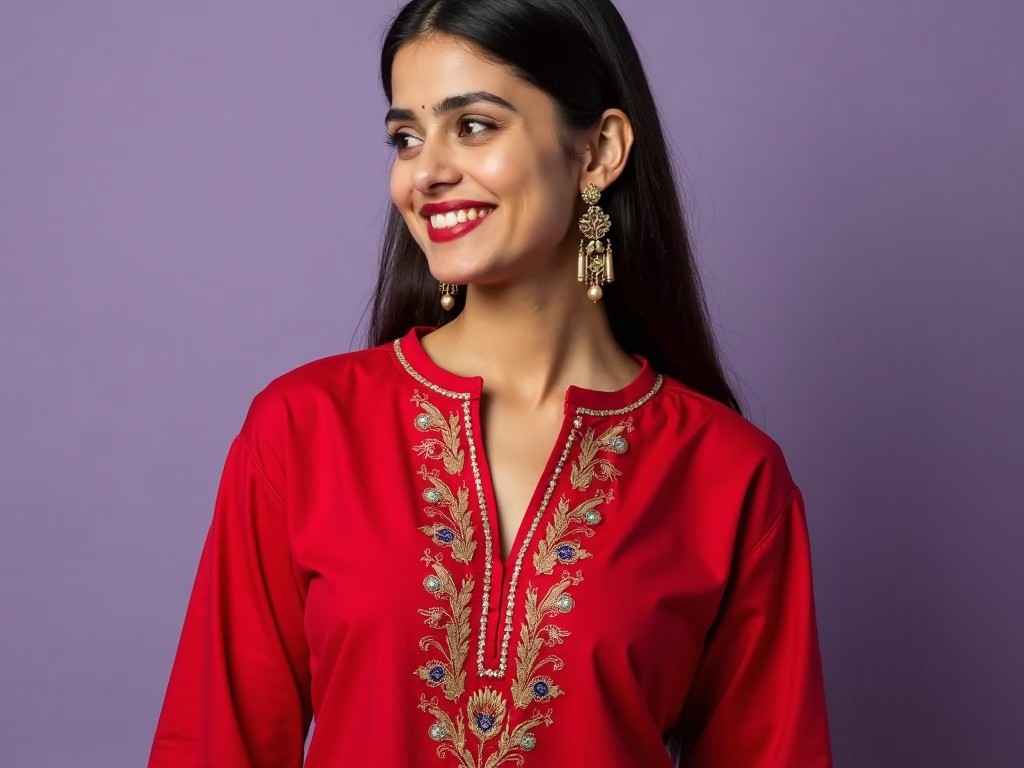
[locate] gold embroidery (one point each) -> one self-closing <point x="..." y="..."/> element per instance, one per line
<point x="590" y="465"/>
<point x="659" y="381"/>
<point x="447" y="672"/>
<point x="449" y="447"/>
<point x="456" y="529"/>
<point x="485" y="711"/>
<point x="452" y="735"/>
<point x="535" y="636"/>
<point x="513" y="591"/>
<point x="557" y="547"/>
<point x="404" y="362"/>
<point x="486" y="732"/>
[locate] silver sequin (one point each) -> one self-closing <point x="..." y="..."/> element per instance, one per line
<point x="565" y="603"/>
<point x="432" y="584"/>
<point x="438" y="732"/>
<point x="593" y="517"/>
<point x="432" y="495"/>
<point x="528" y="742"/>
<point x="424" y="421"/>
<point x="619" y="444"/>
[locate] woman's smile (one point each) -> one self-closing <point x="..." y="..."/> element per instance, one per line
<point x="473" y="141"/>
<point x="450" y="220"/>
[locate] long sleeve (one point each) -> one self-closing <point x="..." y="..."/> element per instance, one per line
<point x="238" y="695"/>
<point x="757" y="700"/>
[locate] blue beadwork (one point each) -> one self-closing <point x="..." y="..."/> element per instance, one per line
<point x="565" y="552"/>
<point x="485" y="722"/>
<point x="436" y="674"/>
<point x="540" y="689"/>
<point x="446" y="535"/>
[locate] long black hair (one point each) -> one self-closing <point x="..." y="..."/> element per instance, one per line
<point x="581" y="54"/>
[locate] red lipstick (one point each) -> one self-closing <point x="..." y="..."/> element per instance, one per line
<point x="480" y="212"/>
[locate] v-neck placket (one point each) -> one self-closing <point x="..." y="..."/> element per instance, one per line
<point x="500" y="589"/>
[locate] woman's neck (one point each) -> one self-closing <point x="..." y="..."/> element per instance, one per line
<point x="530" y="343"/>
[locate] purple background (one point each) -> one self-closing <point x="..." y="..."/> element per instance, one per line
<point x="191" y="195"/>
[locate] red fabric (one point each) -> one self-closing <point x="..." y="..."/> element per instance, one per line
<point x="686" y="609"/>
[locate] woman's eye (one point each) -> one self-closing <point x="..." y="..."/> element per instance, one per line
<point x="470" y="127"/>
<point x="401" y="140"/>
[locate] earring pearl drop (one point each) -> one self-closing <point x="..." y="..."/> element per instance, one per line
<point x="448" y="291"/>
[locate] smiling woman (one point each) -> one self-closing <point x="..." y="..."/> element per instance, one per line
<point x="529" y="524"/>
<point x="497" y="140"/>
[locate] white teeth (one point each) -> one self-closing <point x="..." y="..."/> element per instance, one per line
<point x="450" y="219"/>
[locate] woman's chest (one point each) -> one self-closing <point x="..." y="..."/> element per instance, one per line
<point x="396" y="533"/>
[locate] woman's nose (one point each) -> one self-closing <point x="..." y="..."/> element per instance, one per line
<point x="434" y="167"/>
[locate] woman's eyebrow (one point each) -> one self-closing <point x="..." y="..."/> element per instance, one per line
<point x="450" y="104"/>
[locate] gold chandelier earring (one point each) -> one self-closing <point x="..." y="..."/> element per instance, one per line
<point x="595" y="258"/>
<point x="448" y="291"/>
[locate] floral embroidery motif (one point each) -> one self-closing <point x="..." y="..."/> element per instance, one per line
<point x="485" y="713"/>
<point x="455" y="529"/>
<point x="487" y="720"/>
<point x="448" y="447"/>
<point x="488" y="727"/>
<point x="535" y="636"/>
<point x="590" y="464"/>
<point x="447" y="672"/>
<point x="558" y="547"/>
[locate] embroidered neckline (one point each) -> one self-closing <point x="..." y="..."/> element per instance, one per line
<point x="466" y="398"/>
<point x="490" y="713"/>
<point x="413" y="358"/>
<point x="423" y="380"/>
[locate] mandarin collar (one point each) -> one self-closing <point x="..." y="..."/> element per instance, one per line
<point x="411" y="347"/>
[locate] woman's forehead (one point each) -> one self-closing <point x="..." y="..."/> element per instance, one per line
<point x="436" y="67"/>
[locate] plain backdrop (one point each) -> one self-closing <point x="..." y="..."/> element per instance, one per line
<point x="191" y="197"/>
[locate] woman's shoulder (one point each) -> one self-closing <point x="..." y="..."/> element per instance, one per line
<point x="717" y="426"/>
<point x="299" y="396"/>
<point x="741" y="464"/>
<point x="330" y="375"/>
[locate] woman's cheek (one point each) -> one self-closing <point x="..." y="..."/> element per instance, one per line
<point x="400" y="189"/>
<point x="500" y="174"/>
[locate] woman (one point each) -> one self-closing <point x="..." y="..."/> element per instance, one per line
<point x="528" y="525"/>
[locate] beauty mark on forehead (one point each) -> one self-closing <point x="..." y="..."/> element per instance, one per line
<point x="451" y="104"/>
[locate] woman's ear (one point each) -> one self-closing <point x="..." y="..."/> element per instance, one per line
<point x="607" y="149"/>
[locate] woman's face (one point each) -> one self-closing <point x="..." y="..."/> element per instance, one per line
<point x="480" y="175"/>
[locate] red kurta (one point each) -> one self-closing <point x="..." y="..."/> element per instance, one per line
<point x="659" y="585"/>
